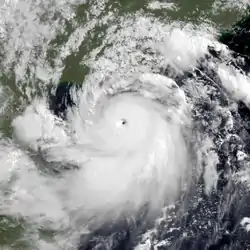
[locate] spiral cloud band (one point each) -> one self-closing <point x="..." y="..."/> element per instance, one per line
<point x="126" y="137"/>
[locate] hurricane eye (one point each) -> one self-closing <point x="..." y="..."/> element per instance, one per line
<point x="124" y="122"/>
<point x="121" y="123"/>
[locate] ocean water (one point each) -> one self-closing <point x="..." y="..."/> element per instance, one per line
<point x="154" y="153"/>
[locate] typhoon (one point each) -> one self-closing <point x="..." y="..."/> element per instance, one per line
<point x="127" y="142"/>
<point x="151" y="160"/>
